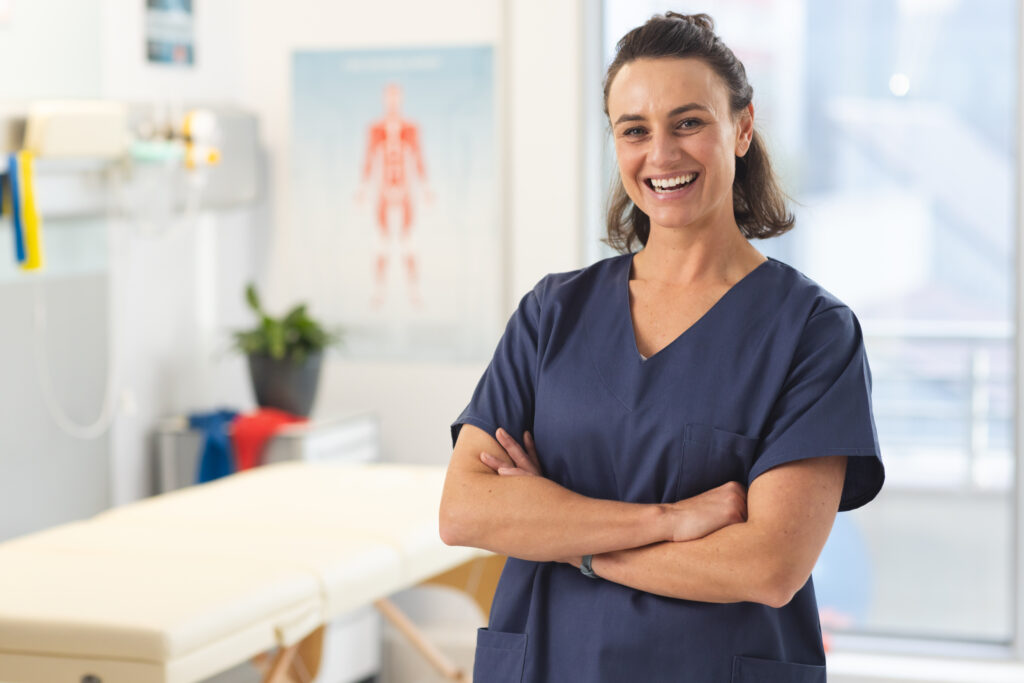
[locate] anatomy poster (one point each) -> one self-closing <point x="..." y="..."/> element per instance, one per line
<point x="395" y="188"/>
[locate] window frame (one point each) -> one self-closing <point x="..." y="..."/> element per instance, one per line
<point x="1018" y="358"/>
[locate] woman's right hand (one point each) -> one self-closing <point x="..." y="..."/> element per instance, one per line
<point x="696" y="517"/>
<point x="520" y="462"/>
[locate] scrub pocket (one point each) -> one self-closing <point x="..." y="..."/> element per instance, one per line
<point x="499" y="657"/>
<point x="713" y="456"/>
<point x="752" y="670"/>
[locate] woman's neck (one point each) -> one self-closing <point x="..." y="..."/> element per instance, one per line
<point x="684" y="256"/>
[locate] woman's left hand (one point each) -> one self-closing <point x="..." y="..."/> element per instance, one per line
<point x="526" y="462"/>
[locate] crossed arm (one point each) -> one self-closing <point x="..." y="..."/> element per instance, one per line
<point x="724" y="545"/>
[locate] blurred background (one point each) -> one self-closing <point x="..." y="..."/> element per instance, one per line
<point x="893" y="125"/>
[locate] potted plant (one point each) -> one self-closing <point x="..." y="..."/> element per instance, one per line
<point x="285" y="355"/>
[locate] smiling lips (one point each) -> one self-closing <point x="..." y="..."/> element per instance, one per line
<point x="672" y="184"/>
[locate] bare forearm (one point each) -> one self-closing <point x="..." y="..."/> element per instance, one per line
<point x="765" y="559"/>
<point x="533" y="518"/>
<point x="736" y="563"/>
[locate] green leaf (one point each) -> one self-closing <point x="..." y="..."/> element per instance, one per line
<point x="296" y="315"/>
<point x="274" y="332"/>
<point x="294" y="336"/>
<point x="253" y="298"/>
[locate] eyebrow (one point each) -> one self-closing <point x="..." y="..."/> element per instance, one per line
<point x="675" y="112"/>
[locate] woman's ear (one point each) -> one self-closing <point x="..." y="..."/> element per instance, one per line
<point x="744" y="130"/>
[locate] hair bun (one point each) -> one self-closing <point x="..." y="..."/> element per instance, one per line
<point x="703" y="21"/>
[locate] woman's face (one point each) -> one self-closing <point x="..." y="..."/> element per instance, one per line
<point x="676" y="141"/>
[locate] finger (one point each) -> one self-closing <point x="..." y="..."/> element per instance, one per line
<point x="493" y="461"/>
<point x="531" y="448"/>
<point x="490" y="461"/>
<point x="527" y="463"/>
<point x="515" y="472"/>
<point x="514" y="450"/>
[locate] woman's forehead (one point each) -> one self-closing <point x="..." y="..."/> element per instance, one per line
<point x="648" y="85"/>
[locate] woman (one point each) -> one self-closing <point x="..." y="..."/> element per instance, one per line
<point x="662" y="440"/>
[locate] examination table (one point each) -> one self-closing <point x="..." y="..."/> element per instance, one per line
<point x="179" y="587"/>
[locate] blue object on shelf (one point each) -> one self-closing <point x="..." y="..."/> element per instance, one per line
<point x="216" y="458"/>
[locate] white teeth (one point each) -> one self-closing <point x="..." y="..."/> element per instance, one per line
<point x="662" y="183"/>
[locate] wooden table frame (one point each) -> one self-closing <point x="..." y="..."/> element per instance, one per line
<point x="477" y="578"/>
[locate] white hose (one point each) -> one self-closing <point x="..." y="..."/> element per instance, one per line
<point x="115" y="209"/>
<point x="102" y="423"/>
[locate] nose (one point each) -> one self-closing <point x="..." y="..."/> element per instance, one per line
<point x="665" y="148"/>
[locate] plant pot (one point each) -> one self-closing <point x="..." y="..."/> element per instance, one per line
<point x="285" y="384"/>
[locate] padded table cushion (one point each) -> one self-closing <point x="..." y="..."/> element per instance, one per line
<point x="192" y="582"/>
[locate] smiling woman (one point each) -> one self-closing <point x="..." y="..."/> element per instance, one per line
<point x="719" y="119"/>
<point x="662" y="440"/>
<point x="677" y="163"/>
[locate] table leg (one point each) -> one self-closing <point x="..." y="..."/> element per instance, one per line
<point x="436" y="658"/>
<point x="281" y="664"/>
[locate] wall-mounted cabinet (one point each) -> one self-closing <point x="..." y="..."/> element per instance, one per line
<point x="147" y="182"/>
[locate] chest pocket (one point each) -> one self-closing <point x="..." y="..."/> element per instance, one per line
<point x="711" y="457"/>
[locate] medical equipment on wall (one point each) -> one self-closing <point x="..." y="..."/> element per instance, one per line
<point x="149" y="169"/>
<point x="58" y="129"/>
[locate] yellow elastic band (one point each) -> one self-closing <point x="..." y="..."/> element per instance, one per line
<point x="30" y="214"/>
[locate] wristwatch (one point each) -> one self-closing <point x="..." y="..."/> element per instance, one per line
<point x="585" y="567"/>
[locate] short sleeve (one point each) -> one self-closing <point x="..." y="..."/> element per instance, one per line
<point x="825" y="407"/>
<point x="504" y="397"/>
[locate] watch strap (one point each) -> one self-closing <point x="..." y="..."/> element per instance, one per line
<point x="586" y="567"/>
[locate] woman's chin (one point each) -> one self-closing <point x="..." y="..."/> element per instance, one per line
<point x="673" y="221"/>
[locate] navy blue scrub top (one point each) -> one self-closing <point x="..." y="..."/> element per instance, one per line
<point x="774" y="372"/>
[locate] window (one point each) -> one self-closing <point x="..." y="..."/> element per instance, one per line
<point x="893" y="125"/>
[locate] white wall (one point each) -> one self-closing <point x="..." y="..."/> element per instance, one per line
<point x="537" y="45"/>
<point x="126" y="74"/>
<point x="538" y="48"/>
<point x="47" y="477"/>
<point x="178" y="294"/>
<point x="173" y="295"/>
<point x="51" y="49"/>
<point x="248" y="56"/>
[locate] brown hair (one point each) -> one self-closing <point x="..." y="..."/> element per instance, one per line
<point x="758" y="203"/>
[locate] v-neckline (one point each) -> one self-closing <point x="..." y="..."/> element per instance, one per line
<point x="676" y="340"/>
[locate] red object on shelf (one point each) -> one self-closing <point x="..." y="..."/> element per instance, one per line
<point x="250" y="433"/>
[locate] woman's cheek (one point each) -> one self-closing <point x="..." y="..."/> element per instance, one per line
<point x="628" y="168"/>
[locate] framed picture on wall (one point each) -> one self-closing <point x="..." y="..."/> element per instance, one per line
<point x="170" y="32"/>
<point x="395" y="189"/>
